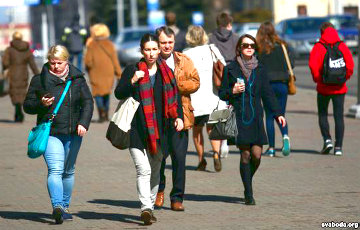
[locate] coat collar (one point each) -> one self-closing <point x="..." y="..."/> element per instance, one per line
<point x="48" y="77"/>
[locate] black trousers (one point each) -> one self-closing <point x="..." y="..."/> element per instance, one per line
<point x="178" y="144"/>
<point x="338" y="106"/>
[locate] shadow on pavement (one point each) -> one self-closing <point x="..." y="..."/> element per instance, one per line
<point x="6" y="121"/>
<point x="32" y="216"/>
<point x="215" y="198"/>
<point x="121" y="203"/>
<point x="109" y="216"/>
<point x="306" y="151"/>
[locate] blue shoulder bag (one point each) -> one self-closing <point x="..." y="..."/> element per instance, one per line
<point x="39" y="135"/>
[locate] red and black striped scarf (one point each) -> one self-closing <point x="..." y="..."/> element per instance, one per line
<point x="170" y="94"/>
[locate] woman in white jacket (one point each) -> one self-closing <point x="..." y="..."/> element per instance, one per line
<point x="205" y="99"/>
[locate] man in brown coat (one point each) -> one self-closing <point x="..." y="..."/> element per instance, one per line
<point x="188" y="82"/>
<point x="16" y="59"/>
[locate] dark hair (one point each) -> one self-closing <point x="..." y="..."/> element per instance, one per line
<point x="239" y="43"/>
<point x="170" y="18"/>
<point x="267" y="37"/>
<point x="326" y="25"/>
<point x="148" y="38"/>
<point x="223" y="19"/>
<point x="167" y="31"/>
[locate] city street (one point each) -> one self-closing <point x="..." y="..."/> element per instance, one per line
<point x="296" y="192"/>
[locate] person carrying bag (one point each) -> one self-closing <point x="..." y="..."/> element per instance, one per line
<point x="39" y="135"/>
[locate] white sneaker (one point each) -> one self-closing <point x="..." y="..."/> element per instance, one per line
<point x="338" y="152"/>
<point x="224" y="149"/>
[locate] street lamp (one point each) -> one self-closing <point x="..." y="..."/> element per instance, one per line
<point x="354" y="110"/>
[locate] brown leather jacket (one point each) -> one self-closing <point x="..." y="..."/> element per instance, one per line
<point x="188" y="82"/>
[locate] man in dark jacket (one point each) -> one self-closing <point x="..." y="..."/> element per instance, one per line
<point x="74" y="39"/>
<point x="223" y="37"/>
<point x="180" y="42"/>
<point x="327" y="92"/>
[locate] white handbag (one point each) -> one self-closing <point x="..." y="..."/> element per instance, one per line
<point x="118" y="131"/>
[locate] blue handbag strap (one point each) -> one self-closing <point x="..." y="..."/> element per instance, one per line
<point x="61" y="99"/>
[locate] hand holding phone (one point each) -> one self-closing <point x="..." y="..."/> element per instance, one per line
<point x="47" y="99"/>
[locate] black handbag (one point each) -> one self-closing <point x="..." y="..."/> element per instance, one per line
<point x="224" y="124"/>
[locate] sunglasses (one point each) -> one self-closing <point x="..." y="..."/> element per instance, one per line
<point x="248" y="45"/>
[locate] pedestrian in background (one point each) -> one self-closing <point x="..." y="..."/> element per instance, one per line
<point x="16" y="59"/>
<point x="180" y="42"/>
<point x="151" y="83"/>
<point x="188" y="82"/>
<point x="74" y="37"/>
<point x="224" y="38"/>
<point x="246" y="86"/>
<point x="102" y="63"/>
<point x="70" y="125"/>
<point x="334" y="92"/>
<point x="271" y="55"/>
<point x="204" y="100"/>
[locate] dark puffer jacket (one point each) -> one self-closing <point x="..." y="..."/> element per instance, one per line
<point x="77" y="108"/>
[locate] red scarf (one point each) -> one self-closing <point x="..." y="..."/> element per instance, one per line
<point x="170" y="95"/>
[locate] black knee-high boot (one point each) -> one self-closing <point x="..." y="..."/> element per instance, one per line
<point x="246" y="177"/>
<point x="19" y="116"/>
<point x="254" y="164"/>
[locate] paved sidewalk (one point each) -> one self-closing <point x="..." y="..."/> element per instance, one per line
<point x="296" y="192"/>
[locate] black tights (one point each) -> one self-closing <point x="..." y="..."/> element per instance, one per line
<point x="249" y="163"/>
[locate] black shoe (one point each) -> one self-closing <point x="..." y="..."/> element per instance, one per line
<point x="58" y="214"/>
<point x="146" y="216"/>
<point x="249" y="200"/>
<point x="202" y="165"/>
<point x="67" y="215"/>
<point x="217" y="162"/>
<point x="327" y="147"/>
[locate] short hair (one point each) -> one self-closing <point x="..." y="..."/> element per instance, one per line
<point x="100" y="30"/>
<point x="196" y="36"/>
<point x="148" y="38"/>
<point x="223" y="19"/>
<point x="170" y="18"/>
<point x="325" y="25"/>
<point x="239" y="43"/>
<point x="58" y="52"/>
<point x="167" y="31"/>
<point x="17" y="35"/>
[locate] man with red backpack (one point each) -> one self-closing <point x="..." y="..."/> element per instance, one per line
<point x="331" y="65"/>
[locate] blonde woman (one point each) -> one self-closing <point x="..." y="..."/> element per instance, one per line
<point x="102" y="63"/>
<point x="205" y="99"/>
<point x="71" y="123"/>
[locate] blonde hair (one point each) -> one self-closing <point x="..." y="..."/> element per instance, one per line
<point x="58" y="52"/>
<point x="100" y="30"/>
<point x="196" y="36"/>
<point x="17" y="35"/>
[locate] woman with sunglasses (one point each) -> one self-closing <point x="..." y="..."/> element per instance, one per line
<point x="246" y="86"/>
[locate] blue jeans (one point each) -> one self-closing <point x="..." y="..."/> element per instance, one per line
<point x="103" y="102"/>
<point x="79" y="56"/>
<point x="60" y="157"/>
<point x="281" y="92"/>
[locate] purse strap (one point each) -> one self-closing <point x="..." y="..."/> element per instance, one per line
<point x="213" y="54"/>
<point x="106" y="52"/>
<point x="61" y="100"/>
<point x="287" y="59"/>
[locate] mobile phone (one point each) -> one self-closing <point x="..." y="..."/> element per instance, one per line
<point x="240" y="80"/>
<point x="48" y="95"/>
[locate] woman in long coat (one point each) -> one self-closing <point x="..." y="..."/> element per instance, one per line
<point x="16" y="59"/>
<point x="102" y="64"/>
<point x="246" y="86"/>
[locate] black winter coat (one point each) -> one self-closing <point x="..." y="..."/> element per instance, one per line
<point x="261" y="91"/>
<point x="78" y="105"/>
<point x="275" y="63"/>
<point x="138" y="132"/>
